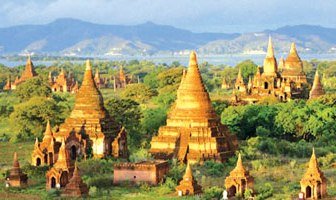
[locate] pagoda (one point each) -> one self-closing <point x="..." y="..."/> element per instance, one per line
<point x="89" y="126"/>
<point x="76" y="187"/>
<point x="28" y="73"/>
<point x="58" y="176"/>
<point x="100" y="82"/>
<point x="62" y="83"/>
<point x="317" y="89"/>
<point x="239" y="84"/>
<point x="16" y="178"/>
<point x="314" y="184"/>
<point x="193" y="131"/>
<point x="45" y="152"/>
<point x="188" y="185"/>
<point x="225" y="85"/>
<point x="239" y="180"/>
<point x="8" y="85"/>
<point x="122" y="80"/>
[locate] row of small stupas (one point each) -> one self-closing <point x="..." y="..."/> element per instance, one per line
<point x="66" y="82"/>
<point x="313" y="183"/>
<point x="284" y="81"/>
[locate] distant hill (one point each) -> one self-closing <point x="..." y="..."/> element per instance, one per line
<point x="76" y="37"/>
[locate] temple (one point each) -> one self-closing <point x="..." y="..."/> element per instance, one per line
<point x="28" y="73"/>
<point x="89" y="126"/>
<point x="317" y="89"/>
<point x="122" y="80"/>
<point x="46" y="151"/>
<point x="63" y="83"/>
<point x="239" y="180"/>
<point x="100" y="82"/>
<point x="193" y="131"/>
<point x="314" y="184"/>
<point x="150" y="172"/>
<point x="76" y="187"/>
<point x="58" y="176"/>
<point x="284" y="84"/>
<point x="225" y="85"/>
<point x="16" y="178"/>
<point x="188" y="185"/>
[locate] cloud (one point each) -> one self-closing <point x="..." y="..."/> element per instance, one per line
<point x="197" y="15"/>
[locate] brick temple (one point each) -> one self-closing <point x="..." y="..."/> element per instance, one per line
<point x="193" y="131"/>
<point x="63" y="82"/>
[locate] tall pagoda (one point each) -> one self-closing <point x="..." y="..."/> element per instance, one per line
<point x="89" y="126"/>
<point x="193" y="131"/>
<point x="28" y="73"/>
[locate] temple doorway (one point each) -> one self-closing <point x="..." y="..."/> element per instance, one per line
<point x="38" y="161"/>
<point x="46" y="158"/>
<point x="53" y="182"/>
<point x="265" y="85"/>
<point x="64" y="179"/>
<point x="73" y="152"/>
<point x="51" y="159"/>
<point x="308" y="192"/>
<point x="232" y="191"/>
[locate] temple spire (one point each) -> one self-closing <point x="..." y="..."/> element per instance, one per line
<point x="270" y="49"/>
<point x="88" y="65"/>
<point x="317" y="88"/>
<point x="48" y="131"/>
<point x="239" y="165"/>
<point x="188" y="173"/>
<point x="313" y="164"/>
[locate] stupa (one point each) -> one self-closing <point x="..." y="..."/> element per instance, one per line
<point x="317" y="89"/>
<point x="76" y="187"/>
<point x="193" y="131"/>
<point x="16" y="178"/>
<point x="314" y="184"/>
<point x="89" y="128"/>
<point x="188" y="185"/>
<point x="239" y="180"/>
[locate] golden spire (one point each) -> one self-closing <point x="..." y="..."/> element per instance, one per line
<point x="317" y="88"/>
<point x="313" y="164"/>
<point x="293" y="49"/>
<point x="188" y="176"/>
<point x="270" y="49"/>
<point x="36" y="143"/>
<point x="48" y="131"/>
<point x="63" y="158"/>
<point x="88" y="65"/>
<point x="239" y="165"/>
<point x="16" y="163"/>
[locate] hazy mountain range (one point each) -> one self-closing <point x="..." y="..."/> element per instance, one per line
<point x="76" y="37"/>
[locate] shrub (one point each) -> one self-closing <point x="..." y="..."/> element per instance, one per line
<point x="213" y="193"/>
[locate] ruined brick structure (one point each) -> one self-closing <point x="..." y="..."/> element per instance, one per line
<point x="151" y="172"/>
<point x="63" y="82"/>
<point x="16" y="177"/>
<point x="76" y="187"/>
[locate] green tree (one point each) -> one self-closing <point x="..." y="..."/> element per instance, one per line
<point x="138" y="92"/>
<point x="248" y="68"/>
<point x="36" y="86"/>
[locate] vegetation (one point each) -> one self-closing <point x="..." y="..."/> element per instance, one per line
<point x="275" y="138"/>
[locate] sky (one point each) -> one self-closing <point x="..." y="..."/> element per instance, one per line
<point x="227" y="16"/>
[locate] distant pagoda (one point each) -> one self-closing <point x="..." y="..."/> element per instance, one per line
<point x="28" y="73"/>
<point x="76" y="187"/>
<point x="193" y="131"/>
<point x="317" y="89"/>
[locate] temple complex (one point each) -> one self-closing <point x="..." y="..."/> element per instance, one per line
<point x="314" y="184"/>
<point x="76" y="187"/>
<point x="89" y="126"/>
<point x="317" y="89"/>
<point x="63" y="83"/>
<point x="16" y="177"/>
<point x="239" y="180"/>
<point x="100" y="82"/>
<point x="188" y="185"/>
<point x="193" y="131"/>
<point x="58" y="176"/>
<point x="225" y="85"/>
<point x="28" y="73"/>
<point x="122" y="80"/>
<point x="151" y="172"/>
<point x="284" y="84"/>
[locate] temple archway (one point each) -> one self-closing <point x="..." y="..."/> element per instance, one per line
<point x="73" y="152"/>
<point x="64" y="179"/>
<point x="232" y="191"/>
<point x="52" y="182"/>
<point x="308" y="192"/>
<point x="38" y="161"/>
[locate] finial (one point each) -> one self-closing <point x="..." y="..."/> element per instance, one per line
<point x="193" y="58"/>
<point x="270" y="49"/>
<point x="88" y="65"/>
<point x="293" y="48"/>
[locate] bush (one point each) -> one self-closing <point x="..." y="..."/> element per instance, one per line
<point x="265" y="191"/>
<point x="213" y="193"/>
<point x="214" y="168"/>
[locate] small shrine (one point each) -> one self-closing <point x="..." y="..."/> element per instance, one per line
<point x="76" y="187"/>
<point x="16" y="177"/>
<point x="188" y="185"/>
